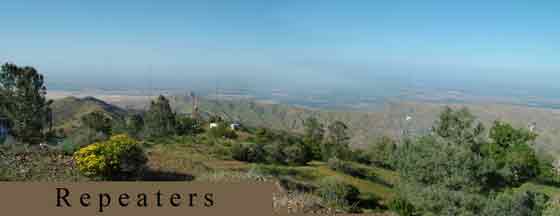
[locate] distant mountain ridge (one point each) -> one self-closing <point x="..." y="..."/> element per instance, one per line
<point x="390" y="119"/>
<point x="365" y="126"/>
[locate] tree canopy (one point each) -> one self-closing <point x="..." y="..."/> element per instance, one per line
<point x="455" y="170"/>
<point x="160" y="118"/>
<point x="98" y="121"/>
<point x="23" y="93"/>
<point x="337" y="141"/>
<point x="314" y="134"/>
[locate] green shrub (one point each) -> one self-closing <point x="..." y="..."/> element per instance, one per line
<point x="517" y="204"/>
<point x="512" y="149"/>
<point x="547" y="172"/>
<point x="351" y="169"/>
<point x="159" y="120"/>
<point x="381" y="152"/>
<point x="222" y="152"/>
<point x="222" y="131"/>
<point x="296" y="154"/>
<point x="241" y="152"/>
<point x="286" y="153"/>
<point x="222" y="176"/>
<point x="401" y="207"/>
<point x="274" y="170"/>
<point x="552" y="211"/>
<point x="521" y="164"/>
<point x="80" y="138"/>
<point x="292" y="184"/>
<point x="361" y="156"/>
<point x="98" y="121"/>
<point x="439" y="200"/>
<point x="68" y="147"/>
<point x="248" y="152"/>
<point x="337" y="193"/>
<point x="120" y="156"/>
<point x="187" y="126"/>
<point x="271" y="153"/>
<point x="134" y="125"/>
<point x="552" y="207"/>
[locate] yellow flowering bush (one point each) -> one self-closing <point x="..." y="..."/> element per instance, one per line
<point x="117" y="157"/>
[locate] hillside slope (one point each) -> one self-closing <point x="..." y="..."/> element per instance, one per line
<point x="68" y="111"/>
<point x="365" y="126"/>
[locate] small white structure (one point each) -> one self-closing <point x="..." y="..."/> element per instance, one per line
<point x="234" y="126"/>
<point x="44" y="146"/>
<point x="532" y="127"/>
<point x="213" y="125"/>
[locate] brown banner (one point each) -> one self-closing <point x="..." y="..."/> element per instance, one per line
<point x="135" y="198"/>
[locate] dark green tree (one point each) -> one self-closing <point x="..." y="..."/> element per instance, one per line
<point x="443" y="173"/>
<point x="512" y="150"/>
<point x="98" y="121"/>
<point x="313" y="136"/>
<point x="262" y="135"/>
<point x="505" y="136"/>
<point x="187" y="125"/>
<point x="338" y="133"/>
<point x="24" y="103"/>
<point x="222" y="131"/>
<point x="459" y="127"/>
<point x="456" y="171"/>
<point x="431" y="162"/>
<point x="337" y="143"/>
<point x="381" y="152"/>
<point x="135" y="125"/>
<point x="215" y="119"/>
<point x="524" y="203"/>
<point x="160" y="119"/>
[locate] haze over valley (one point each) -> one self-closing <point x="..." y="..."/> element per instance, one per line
<point x="385" y="107"/>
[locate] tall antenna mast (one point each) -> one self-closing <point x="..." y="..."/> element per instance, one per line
<point x="408" y="115"/>
<point x="149" y="93"/>
<point x="216" y="99"/>
<point x="194" y="99"/>
<point x="150" y="81"/>
<point x="216" y="92"/>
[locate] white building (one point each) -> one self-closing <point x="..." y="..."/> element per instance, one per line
<point x="234" y="126"/>
<point x="213" y="125"/>
<point x="532" y="127"/>
<point x="408" y="118"/>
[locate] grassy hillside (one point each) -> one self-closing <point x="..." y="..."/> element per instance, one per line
<point x="68" y="111"/>
<point x="365" y="126"/>
<point x="203" y="160"/>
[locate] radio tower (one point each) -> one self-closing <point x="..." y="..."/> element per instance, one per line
<point x="194" y="99"/>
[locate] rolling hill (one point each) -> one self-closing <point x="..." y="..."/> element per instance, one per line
<point x="68" y="111"/>
<point x="366" y="126"/>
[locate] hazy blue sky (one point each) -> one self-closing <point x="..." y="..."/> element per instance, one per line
<point x="337" y="41"/>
